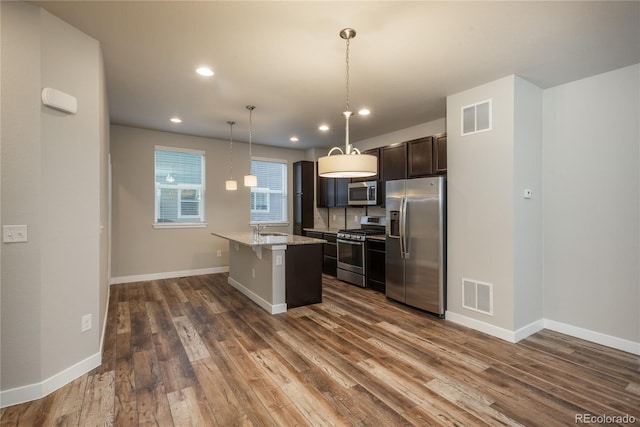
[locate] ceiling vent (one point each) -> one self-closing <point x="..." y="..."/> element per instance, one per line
<point x="477" y="296"/>
<point x="476" y="118"/>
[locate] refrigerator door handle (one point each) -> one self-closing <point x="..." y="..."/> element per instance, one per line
<point x="403" y="228"/>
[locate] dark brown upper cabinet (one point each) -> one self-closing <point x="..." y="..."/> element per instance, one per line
<point x="332" y="192"/>
<point x="393" y="161"/>
<point x="440" y="153"/>
<point x="420" y="158"/>
<point x="372" y="152"/>
<point x="303" y="196"/>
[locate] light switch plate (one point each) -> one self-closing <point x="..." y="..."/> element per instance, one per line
<point x="14" y="233"/>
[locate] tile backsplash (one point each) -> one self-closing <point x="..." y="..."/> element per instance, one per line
<point x="338" y="218"/>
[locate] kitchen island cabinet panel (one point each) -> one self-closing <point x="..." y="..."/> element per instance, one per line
<point x="303" y="275"/>
<point x="275" y="269"/>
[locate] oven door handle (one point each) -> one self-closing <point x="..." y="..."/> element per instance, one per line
<point x="350" y="242"/>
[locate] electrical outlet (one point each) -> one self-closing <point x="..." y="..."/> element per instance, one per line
<point x="86" y="323"/>
<point x="219" y="253"/>
<point x="334" y="217"/>
<point x="278" y="259"/>
<point x="355" y="218"/>
<point x="14" y="233"/>
<point x="253" y="273"/>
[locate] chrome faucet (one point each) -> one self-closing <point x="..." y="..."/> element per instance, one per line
<point x="257" y="228"/>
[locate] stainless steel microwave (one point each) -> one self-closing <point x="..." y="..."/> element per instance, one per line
<point x="363" y="193"/>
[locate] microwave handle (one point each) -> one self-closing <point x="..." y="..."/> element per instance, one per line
<point x="372" y="193"/>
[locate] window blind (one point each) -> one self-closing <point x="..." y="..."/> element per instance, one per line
<point x="179" y="181"/>
<point x="269" y="199"/>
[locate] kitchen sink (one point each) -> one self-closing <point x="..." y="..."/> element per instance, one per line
<point x="273" y="234"/>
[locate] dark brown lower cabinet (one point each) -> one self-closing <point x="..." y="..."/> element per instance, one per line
<point x="303" y="275"/>
<point x="329" y="251"/>
<point x="330" y="255"/>
<point x="376" y="265"/>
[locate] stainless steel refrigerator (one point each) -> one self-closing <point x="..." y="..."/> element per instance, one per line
<point x="415" y="244"/>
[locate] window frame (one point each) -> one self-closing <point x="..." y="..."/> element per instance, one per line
<point x="266" y="190"/>
<point x="199" y="188"/>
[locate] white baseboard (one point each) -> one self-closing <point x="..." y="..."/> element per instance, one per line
<point x="529" y="329"/>
<point x="104" y="321"/>
<point x="596" y="337"/>
<point x="481" y="326"/>
<point x="168" y="275"/>
<point x="273" y="309"/>
<point x="39" y="390"/>
<point x="574" y="331"/>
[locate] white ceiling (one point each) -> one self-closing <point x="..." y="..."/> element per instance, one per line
<point x="287" y="58"/>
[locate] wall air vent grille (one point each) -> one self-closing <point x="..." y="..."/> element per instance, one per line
<point x="476" y="118"/>
<point x="477" y="296"/>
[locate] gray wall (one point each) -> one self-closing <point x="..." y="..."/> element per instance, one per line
<point x="480" y="192"/>
<point x="53" y="180"/>
<point x="138" y="248"/>
<point x="527" y="222"/>
<point x="568" y="258"/>
<point x="591" y="197"/>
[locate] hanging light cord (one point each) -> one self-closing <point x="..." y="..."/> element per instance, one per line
<point x="250" y="108"/>
<point x="231" y="148"/>
<point x="347" y="34"/>
<point x="347" y="80"/>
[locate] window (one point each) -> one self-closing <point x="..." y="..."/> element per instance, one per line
<point x="179" y="178"/>
<point x="269" y="198"/>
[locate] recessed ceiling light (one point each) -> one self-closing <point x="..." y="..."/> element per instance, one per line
<point x="204" y="71"/>
<point x="175" y="120"/>
<point x="323" y="128"/>
<point x="364" y="112"/>
<point x="294" y="139"/>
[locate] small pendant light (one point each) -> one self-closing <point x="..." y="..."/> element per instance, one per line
<point x="250" y="180"/>
<point x="231" y="184"/>
<point x="349" y="163"/>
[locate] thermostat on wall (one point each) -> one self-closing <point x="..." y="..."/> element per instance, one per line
<point x="59" y="100"/>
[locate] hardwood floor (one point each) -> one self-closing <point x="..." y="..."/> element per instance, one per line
<point x="194" y="351"/>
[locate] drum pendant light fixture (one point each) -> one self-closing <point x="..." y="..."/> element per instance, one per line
<point x="231" y="184"/>
<point x="349" y="163"/>
<point x="250" y="180"/>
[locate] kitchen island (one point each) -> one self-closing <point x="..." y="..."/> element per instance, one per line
<point x="277" y="271"/>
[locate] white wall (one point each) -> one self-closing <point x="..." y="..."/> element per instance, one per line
<point x="480" y="191"/>
<point x="21" y="163"/>
<point x="51" y="181"/>
<point x="568" y="258"/>
<point x="591" y="204"/>
<point x="414" y="132"/>
<point x="527" y="222"/>
<point x="141" y="251"/>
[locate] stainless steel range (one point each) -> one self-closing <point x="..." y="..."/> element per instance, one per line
<point x="352" y="249"/>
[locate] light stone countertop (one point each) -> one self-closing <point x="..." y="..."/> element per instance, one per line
<point x="248" y="238"/>
<point x="324" y="230"/>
